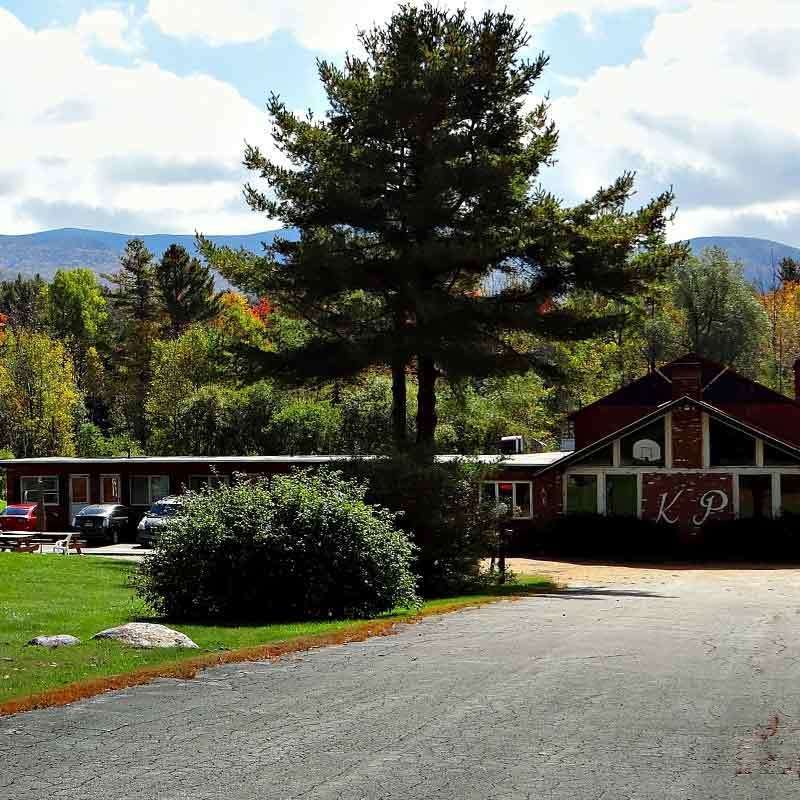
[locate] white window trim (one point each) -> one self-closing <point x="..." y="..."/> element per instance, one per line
<point x="43" y="477"/>
<point x="149" y="479"/>
<point x="706" y="441"/>
<point x="668" y="441"/>
<point x="514" y="484"/>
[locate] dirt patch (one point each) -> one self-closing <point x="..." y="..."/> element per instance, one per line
<point x="572" y="572"/>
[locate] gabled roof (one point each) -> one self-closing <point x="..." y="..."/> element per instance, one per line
<point x="711" y="373"/>
<point x="661" y="411"/>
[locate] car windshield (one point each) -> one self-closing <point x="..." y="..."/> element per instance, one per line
<point x="95" y="511"/>
<point x="15" y="511"/>
<point x="164" y="510"/>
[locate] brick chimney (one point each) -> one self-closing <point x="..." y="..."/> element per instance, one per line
<point x="797" y="379"/>
<point x="687" y="420"/>
<point x="686" y="376"/>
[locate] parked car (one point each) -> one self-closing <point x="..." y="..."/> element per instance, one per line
<point x="158" y="515"/>
<point x="107" y="521"/>
<point x="19" y="517"/>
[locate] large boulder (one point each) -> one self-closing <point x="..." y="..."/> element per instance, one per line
<point x="60" y="640"/>
<point x="146" y="634"/>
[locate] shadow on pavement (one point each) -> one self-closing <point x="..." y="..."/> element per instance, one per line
<point x="590" y="592"/>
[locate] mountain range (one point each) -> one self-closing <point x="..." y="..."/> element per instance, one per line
<point x="47" y="251"/>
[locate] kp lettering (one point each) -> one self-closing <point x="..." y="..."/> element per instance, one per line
<point x="712" y="502"/>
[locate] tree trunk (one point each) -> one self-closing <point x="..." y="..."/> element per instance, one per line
<point x="426" y="402"/>
<point x="399" y="424"/>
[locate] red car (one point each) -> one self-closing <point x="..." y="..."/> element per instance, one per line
<point x="19" y="517"/>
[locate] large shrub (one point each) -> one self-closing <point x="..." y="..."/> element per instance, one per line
<point x="439" y="507"/>
<point x="597" y="536"/>
<point x="301" y="546"/>
<point x="751" y="540"/>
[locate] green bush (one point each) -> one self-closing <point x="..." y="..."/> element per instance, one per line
<point x="301" y="546"/>
<point x="438" y="506"/>
<point x="752" y="540"/>
<point x="603" y="537"/>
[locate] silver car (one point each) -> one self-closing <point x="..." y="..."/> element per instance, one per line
<point x="158" y="516"/>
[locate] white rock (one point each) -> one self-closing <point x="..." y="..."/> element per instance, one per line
<point x="146" y="634"/>
<point x="61" y="640"/>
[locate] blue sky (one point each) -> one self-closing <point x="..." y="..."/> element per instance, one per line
<point x="131" y="116"/>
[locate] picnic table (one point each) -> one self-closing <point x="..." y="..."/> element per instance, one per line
<point x="18" y="542"/>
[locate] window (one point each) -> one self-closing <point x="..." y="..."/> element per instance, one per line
<point x="44" y="487"/>
<point x="515" y="494"/>
<point x="622" y="495"/>
<point x="581" y="494"/>
<point x="198" y="482"/>
<point x="790" y="494"/>
<point x="109" y="489"/>
<point x="147" y="489"/>
<point x="601" y="458"/>
<point x="729" y="447"/>
<point x="777" y="458"/>
<point x="755" y="496"/>
<point x="645" y="447"/>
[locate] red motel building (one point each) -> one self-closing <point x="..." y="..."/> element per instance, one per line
<point x="686" y="444"/>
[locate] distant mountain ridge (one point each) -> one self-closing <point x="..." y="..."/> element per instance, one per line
<point x="757" y="255"/>
<point x="47" y="251"/>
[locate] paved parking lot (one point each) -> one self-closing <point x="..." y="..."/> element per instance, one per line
<point x="686" y="686"/>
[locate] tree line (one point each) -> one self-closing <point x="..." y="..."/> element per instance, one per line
<point x="436" y="297"/>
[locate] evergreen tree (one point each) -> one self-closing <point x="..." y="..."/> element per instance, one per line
<point x="134" y="294"/>
<point x="186" y="288"/>
<point x="23" y="302"/>
<point x="417" y="187"/>
<point x="789" y="270"/>
<point x="137" y="314"/>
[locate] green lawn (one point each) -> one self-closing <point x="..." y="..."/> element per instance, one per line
<point x="50" y="594"/>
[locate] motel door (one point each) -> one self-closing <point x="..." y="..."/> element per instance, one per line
<point x="78" y="493"/>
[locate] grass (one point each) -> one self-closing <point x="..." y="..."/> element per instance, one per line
<point x="50" y="594"/>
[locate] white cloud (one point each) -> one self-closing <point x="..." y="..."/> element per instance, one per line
<point x="76" y="120"/>
<point x="109" y="28"/>
<point x="330" y="26"/>
<point x="709" y="108"/>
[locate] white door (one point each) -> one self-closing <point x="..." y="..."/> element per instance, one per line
<point x="78" y="493"/>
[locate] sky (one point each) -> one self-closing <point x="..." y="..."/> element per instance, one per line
<point x="132" y="116"/>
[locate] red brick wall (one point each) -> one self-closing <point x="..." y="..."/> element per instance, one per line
<point x="686" y="381"/>
<point x="681" y="496"/>
<point x="687" y="437"/>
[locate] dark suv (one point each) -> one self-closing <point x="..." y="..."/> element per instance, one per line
<point x="156" y="518"/>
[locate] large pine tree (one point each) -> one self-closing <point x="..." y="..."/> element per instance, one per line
<point x="418" y="186"/>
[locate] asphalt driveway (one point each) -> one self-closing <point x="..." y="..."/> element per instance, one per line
<point x="686" y="687"/>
